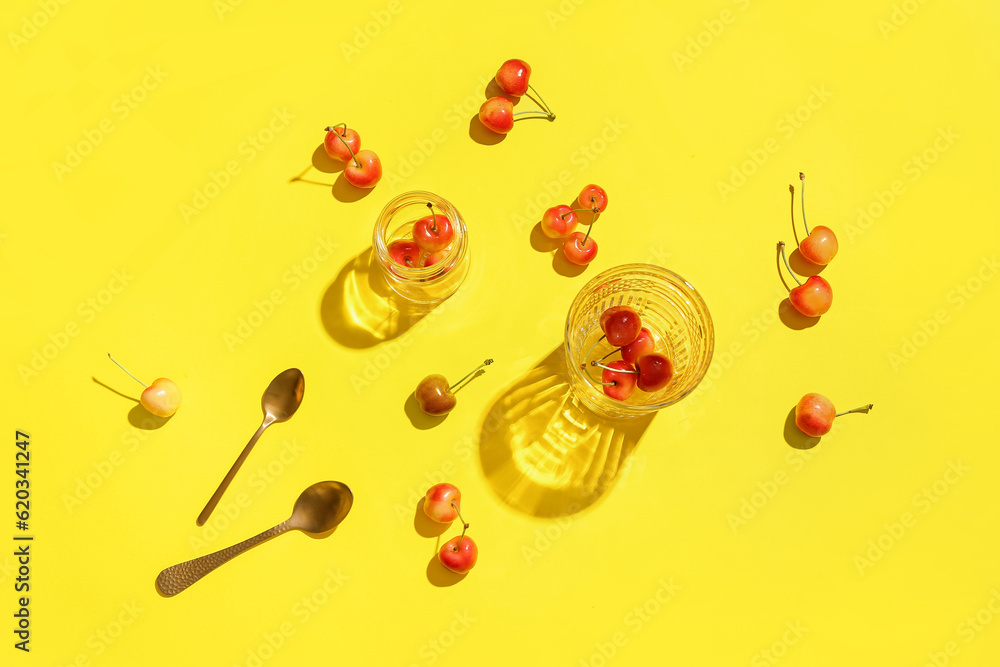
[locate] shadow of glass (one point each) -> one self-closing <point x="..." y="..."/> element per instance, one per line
<point x="796" y="438"/>
<point x="360" y="310"/>
<point x="793" y="319"/>
<point x="547" y="455"/>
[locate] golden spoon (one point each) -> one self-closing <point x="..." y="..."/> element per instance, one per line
<point x="280" y="401"/>
<point x="318" y="510"/>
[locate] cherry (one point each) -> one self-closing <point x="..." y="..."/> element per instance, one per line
<point x="580" y="249"/>
<point x="404" y="252"/>
<point x="442" y="502"/>
<point x="435" y="397"/>
<point x="593" y="198"/>
<point x="459" y="554"/>
<point x="617" y="384"/>
<point x="558" y="221"/>
<point x="621" y="325"/>
<point x="162" y="398"/>
<point x="811" y="298"/>
<point x="512" y="77"/>
<point x="341" y="142"/>
<point x="814" y="414"/>
<point x="820" y="245"/>
<point x="655" y="371"/>
<point x="433" y="232"/>
<point x="434" y="258"/>
<point x="642" y="344"/>
<point x="497" y="114"/>
<point x="365" y="171"/>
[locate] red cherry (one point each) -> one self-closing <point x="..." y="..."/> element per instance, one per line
<point x="621" y="325"/>
<point x="655" y="371"/>
<point x="365" y="170"/>
<point x="341" y="142"/>
<point x="641" y="345"/>
<point x="497" y="114"/>
<point x="404" y="252"/>
<point x="815" y="413"/>
<point x="459" y="554"/>
<point x="617" y="385"/>
<point x="820" y="245"/>
<point x="442" y="502"/>
<point x="593" y="196"/>
<point x="512" y="77"/>
<point x="579" y="249"/>
<point x="558" y="222"/>
<point x="433" y="232"/>
<point x="811" y="298"/>
<point x="434" y="258"/>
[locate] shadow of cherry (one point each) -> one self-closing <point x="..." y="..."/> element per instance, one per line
<point x="441" y="576"/>
<point x="796" y="438"/>
<point x="481" y="134"/>
<point x="426" y="526"/>
<point x="543" y="243"/>
<point x="793" y="319"/>
<point x="140" y="417"/>
<point x="347" y="193"/>
<point x="418" y="418"/>
<point x="803" y="266"/>
<point x="564" y="267"/>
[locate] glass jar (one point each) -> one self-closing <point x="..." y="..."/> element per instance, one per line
<point x="674" y="313"/>
<point x="419" y="284"/>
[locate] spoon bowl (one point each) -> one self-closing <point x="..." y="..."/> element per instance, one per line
<point x="318" y="510"/>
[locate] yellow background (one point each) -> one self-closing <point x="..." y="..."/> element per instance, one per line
<point x="717" y="541"/>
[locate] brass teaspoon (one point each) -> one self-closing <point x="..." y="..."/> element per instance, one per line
<point x="318" y="510"/>
<point x="280" y="401"/>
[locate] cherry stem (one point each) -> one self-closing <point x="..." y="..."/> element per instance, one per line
<point x="434" y="224"/>
<point x="584" y="366"/>
<point x="863" y="409"/>
<point x="594" y="363"/>
<point x="333" y="128"/>
<point x="127" y="371"/>
<point x="465" y="526"/>
<point x="616" y="370"/>
<point x="485" y="363"/>
<point x="541" y="102"/>
<point x="576" y="210"/>
<point x="781" y="244"/>
<point x="802" y="193"/>
<point x="532" y="112"/>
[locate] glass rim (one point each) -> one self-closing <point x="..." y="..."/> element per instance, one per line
<point x="427" y="274"/>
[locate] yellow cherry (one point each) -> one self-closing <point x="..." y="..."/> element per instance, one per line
<point x="162" y="398"/>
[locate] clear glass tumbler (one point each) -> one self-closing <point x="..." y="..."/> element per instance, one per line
<point x="670" y="308"/>
<point x="424" y="285"/>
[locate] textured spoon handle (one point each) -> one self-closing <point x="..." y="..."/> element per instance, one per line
<point x="175" y="579"/>
<point x="217" y="496"/>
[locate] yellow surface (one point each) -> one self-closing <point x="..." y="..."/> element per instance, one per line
<point x="189" y="252"/>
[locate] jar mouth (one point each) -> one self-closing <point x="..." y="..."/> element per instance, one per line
<point x="686" y="312"/>
<point x="414" y="205"/>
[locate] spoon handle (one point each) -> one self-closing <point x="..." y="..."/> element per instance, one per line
<point x="217" y="496"/>
<point x="175" y="579"/>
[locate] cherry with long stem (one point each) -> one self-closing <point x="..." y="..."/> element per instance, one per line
<point x="465" y="526"/>
<point x="802" y="193"/>
<point x="333" y="128"/>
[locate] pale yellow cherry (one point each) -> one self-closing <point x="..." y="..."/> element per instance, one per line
<point x="162" y="398"/>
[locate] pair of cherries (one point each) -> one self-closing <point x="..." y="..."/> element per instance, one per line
<point x="497" y="113"/>
<point x="815" y="296"/>
<point x="364" y="169"/>
<point x="431" y="237"/>
<point x="560" y="221"/>
<point x="442" y="503"/>
<point x="641" y="366"/>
